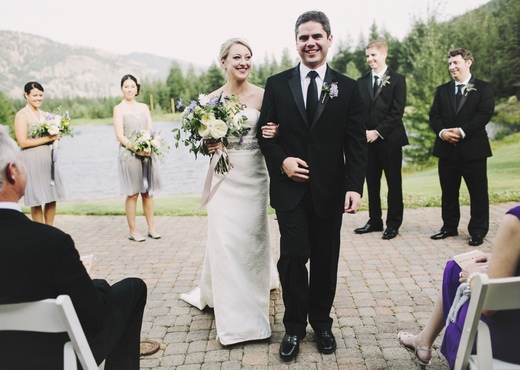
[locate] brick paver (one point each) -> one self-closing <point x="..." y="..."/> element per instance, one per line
<point x="383" y="287"/>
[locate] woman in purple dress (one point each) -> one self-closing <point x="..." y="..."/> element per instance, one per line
<point x="504" y="325"/>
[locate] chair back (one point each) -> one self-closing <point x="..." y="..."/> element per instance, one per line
<point x="51" y="316"/>
<point x="486" y="294"/>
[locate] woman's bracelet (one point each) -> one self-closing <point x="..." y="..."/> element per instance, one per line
<point x="470" y="278"/>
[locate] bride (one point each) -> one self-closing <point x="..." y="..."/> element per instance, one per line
<point x="238" y="270"/>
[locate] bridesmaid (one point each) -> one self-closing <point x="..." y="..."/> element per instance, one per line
<point x="44" y="186"/>
<point x="130" y="116"/>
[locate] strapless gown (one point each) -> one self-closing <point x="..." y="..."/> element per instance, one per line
<point x="238" y="270"/>
<point x="132" y="171"/>
<point x="38" y="162"/>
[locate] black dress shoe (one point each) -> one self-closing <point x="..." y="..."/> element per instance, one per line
<point x="443" y="234"/>
<point x="390" y="233"/>
<point x="476" y="240"/>
<point x="289" y="347"/>
<point x="326" y="342"/>
<point x="368" y="228"/>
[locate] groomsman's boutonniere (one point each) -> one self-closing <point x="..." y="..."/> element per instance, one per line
<point x="331" y="89"/>
<point x="469" y="88"/>
<point x="385" y="81"/>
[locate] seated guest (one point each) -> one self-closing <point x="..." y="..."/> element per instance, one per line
<point x="38" y="261"/>
<point x="456" y="287"/>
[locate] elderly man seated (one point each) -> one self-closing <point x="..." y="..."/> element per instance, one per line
<point x="38" y="262"/>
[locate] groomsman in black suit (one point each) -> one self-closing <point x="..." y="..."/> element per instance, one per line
<point x="317" y="167"/>
<point x="460" y="112"/>
<point x="384" y="98"/>
<point x="37" y="262"/>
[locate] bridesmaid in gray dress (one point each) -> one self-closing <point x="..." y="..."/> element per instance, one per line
<point x="44" y="185"/>
<point x="138" y="172"/>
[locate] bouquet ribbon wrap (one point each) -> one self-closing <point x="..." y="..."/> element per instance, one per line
<point x="146" y="165"/>
<point x="208" y="192"/>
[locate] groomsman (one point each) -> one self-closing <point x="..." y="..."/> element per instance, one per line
<point x="384" y="98"/>
<point x="460" y="112"/>
<point x="317" y="168"/>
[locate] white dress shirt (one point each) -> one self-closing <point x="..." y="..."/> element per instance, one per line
<point x="305" y="81"/>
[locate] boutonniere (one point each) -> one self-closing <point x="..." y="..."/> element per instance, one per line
<point x="385" y="81"/>
<point x="469" y="88"/>
<point x="331" y="89"/>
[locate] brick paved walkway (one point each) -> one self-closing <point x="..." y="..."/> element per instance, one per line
<point x="383" y="287"/>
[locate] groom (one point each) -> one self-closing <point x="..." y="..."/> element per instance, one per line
<point x="317" y="167"/>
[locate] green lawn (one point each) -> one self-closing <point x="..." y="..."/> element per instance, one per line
<point x="420" y="189"/>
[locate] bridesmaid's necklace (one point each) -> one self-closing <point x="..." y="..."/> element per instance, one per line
<point x="34" y="115"/>
<point x="133" y="113"/>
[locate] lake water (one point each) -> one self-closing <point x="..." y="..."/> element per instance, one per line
<point x="88" y="164"/>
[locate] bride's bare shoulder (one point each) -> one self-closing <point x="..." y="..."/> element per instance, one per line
<point x="216" y="92"/>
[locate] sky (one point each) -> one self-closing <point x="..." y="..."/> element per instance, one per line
<point x="193" y="30"/>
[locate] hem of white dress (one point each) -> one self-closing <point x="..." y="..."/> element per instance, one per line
<point x="243" y="340"/>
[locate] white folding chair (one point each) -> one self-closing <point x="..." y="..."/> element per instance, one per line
<point x="51" y="316"/>
<point x="486" y="294"/>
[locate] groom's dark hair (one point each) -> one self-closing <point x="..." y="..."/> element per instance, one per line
<point x="316" y="16"/>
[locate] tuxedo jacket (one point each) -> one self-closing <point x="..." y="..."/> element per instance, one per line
<point x="473" y="114"/>
<point x="333" y="144"/>
<point x="38" y="262"/>
<point x="383" y="109"/>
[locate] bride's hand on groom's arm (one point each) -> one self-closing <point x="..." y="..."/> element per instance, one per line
<point x="296" y="169"/>
<point x="270" y="130"/>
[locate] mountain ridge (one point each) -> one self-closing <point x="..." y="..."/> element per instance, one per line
<point x="72" y="71"/>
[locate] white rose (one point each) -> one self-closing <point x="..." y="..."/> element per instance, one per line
<point x="207" y="118"/>
<point x="53" y="129"/>
<point x="205" y="131"/>
<point x="156" y="143"/>
<point x="218" y="129"/>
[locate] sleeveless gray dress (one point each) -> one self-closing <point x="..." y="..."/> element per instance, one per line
<point x="38" y="161"/>
<point x="136" y="174"/>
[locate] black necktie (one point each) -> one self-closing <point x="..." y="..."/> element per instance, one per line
<point x="376" y="84"/>
<point x="458" y="95"/>
<point x="312" y="96"/>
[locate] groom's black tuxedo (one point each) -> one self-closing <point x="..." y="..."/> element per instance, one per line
<point x="310" y="214"/>
<point x="337" y="132"/>
<point x="383" y="111"/>
<point x="467" y="158"/>
<point x="38" y="262"/>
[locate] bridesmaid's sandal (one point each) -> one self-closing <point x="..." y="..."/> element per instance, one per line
<point x="424" y="360"/>
<point x="136" y="238"/>
<point x="154" y="235"/>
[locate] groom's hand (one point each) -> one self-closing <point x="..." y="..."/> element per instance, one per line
<point x="352" y="202"/>
<point x="296" y="169"/>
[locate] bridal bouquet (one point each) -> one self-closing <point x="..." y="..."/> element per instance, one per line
<point x="214" y="119"/>
<point x="149" y="141"/>
<point x="52" y="124"/>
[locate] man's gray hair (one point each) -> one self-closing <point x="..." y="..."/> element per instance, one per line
<point x="9" y="152"/>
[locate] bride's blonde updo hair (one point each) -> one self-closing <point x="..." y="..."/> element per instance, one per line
<point x="224" y="49"/>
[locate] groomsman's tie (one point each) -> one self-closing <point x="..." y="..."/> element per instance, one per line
<point x="312" y="96"/>
<point x="376" y="84"/>
<point x="458" y="95"/>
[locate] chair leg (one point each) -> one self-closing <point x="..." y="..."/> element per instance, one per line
<point x="69" y="357"/>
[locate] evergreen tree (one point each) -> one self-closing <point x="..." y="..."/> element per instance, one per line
<point x="7" y="112"/>
<point x="428" y="68"/>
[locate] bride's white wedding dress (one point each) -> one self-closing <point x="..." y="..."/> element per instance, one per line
<point x="238" y="270"/>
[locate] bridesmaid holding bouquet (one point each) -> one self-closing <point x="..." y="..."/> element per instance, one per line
<point x="138" y="172"/>
<point x="44" y="185"/>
